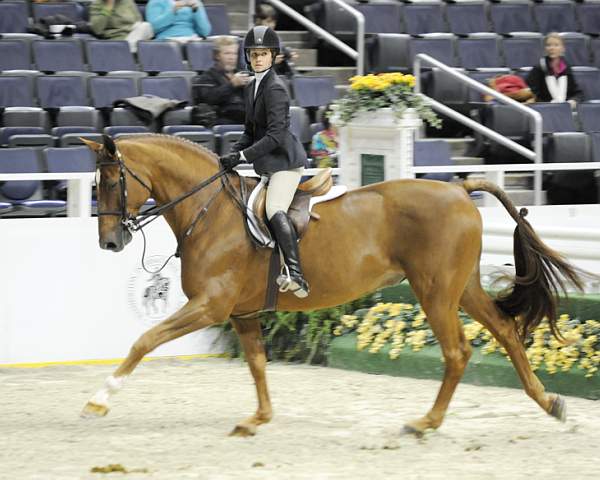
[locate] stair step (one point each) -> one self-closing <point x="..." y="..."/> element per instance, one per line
<point x="341" y="74"/>
<point x="522" y="180"/>
<point x="462" y="160"/>
<point x="307" y="57"/>
<point x="238" y="21"/>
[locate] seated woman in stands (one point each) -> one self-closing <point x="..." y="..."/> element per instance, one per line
<point x="551" y="80"/>
<point x="180" y="20"/>
<point x="324" y="145"/>
<point x="119" y="20"/>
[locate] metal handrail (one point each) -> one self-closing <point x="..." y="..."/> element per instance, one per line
<point x="358" y="54"/>
<point x="535" y="117"/>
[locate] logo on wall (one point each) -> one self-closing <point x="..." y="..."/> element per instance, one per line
<point x="153" y="297"/>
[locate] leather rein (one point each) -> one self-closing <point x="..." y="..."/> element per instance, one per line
<point x="135" y="223"/>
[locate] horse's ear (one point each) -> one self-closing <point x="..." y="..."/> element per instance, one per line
<point x="94" y="146"/>
<point x="109" y="144"/>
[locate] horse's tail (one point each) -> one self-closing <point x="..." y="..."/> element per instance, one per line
<point x="540" y="272"/>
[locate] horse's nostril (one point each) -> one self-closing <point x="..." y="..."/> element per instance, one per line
<point x="111" y="246"/>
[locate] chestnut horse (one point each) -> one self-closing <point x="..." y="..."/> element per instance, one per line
<point x="426" y="231"/>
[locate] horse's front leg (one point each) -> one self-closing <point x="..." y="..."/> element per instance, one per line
<point x="250" y="337"/>
<point x="194" y="315"/>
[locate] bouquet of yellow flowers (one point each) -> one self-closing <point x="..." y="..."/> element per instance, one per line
<point x="386" y="90"/>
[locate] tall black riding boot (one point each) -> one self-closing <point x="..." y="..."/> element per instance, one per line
<point x="285" y="234"/>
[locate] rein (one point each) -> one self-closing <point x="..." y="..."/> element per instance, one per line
<point x="137" y="223"/>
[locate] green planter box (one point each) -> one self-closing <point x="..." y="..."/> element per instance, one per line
<point x="493" y="369"/>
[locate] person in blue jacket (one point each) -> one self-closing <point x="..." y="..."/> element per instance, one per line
<point x="179" y="20"/>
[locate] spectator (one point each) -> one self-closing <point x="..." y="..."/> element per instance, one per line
<point x="119" y="20"/>
<point x="266" y="16"/>
<point x="179" y="20"/>
<point x="221" y="86"/>
<point x="552" y="79"/>
<point x="324" y="146"/>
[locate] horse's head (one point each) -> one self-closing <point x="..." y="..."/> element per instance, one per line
<point x="121" y="192"/>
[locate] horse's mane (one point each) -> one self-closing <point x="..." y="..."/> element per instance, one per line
<point x="170" y="138"/>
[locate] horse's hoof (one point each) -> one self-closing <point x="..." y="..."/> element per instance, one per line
<point x="412" y="430"/>
<point x="93" y="410"/>
<point x="243" y="431"/>
<point x="559" y="409"/>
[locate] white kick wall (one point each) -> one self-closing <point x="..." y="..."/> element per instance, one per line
<point x="65" y="299"/>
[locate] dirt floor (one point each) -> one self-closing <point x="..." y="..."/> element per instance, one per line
<point x="172" y="418"/>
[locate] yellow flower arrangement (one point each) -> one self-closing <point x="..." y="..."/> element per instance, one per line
<point x="400" y="324"/>
<point x="386" y="90"/>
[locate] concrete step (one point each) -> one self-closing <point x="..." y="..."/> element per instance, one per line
<point x="341" y="74"/>
<point x="518" y="197"/>
<point x="307" y="57"/>
<point x="462" y="160"/>
<point x="238" y="21"/>
<point x="458" y="146"/>
<point x="520" y="180"/>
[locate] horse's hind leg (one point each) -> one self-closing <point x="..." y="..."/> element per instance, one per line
<point x="193" y="316"/>
<point x="250" y="336"/>
<point x="477" y="303"/>
<point x="442" y="316"/>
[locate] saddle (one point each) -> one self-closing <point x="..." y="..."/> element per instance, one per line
<point x="299" y="210"/>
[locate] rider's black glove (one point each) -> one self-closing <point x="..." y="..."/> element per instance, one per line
<point x="230" y="160"/>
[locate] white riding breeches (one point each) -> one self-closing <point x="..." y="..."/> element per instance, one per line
<point x="281" y="189"/>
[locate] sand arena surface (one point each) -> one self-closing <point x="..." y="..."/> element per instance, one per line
<point x="172" y="420"/>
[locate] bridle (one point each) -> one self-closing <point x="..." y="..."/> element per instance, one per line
<point x="134" y="223"/>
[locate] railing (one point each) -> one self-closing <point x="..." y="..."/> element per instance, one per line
<point x="358" y="54"/>
<point x="79" y="188"/>
<point x="535" y="117"/>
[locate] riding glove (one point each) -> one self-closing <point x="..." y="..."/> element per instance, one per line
<point x="230" y="160"/>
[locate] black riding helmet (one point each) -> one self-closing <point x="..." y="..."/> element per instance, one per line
<point x="261" y="37"/>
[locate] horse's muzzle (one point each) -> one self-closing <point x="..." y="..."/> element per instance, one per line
<point x="116" y="241"/>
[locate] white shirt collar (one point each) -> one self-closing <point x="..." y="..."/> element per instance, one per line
<point x="258" y="78"/>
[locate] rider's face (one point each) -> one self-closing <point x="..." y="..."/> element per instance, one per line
<point x="261" y="59"/>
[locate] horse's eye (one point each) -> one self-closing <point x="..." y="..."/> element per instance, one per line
<point x="112" y="185"/>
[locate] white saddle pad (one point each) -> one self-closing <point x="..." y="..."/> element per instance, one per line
<point x="257" y="233"/>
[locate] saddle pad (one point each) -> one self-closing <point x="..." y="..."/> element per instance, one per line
<point x="253" y="222"/>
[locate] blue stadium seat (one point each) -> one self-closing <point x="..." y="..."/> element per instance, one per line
<point x="24" y="117"/>
<point x="510" y="123"/>
<point x="556" y="117"/>
<point x="439" y="46"/>
<point x="511" y="17"/>
<point x="78" y="116"/>
<point x="105" y="90"/>
<point x="577" y="49"/>
<point x="58" y="55"/>
<point x="14" y="55"/>
<point x="15" y="91"/>
<point x="68" y="9"/>
<point x="588" y="80"/>
<point x="226" y="136"/>
<point x="19" y="193"/>
<point x="74" y="159"/>
<point x="313" y="91"/>
<point x="200" y="55"/>
<point x="13" y="17"/>
<point x="381" y="17"/>
<point x="60" y="91"/>
<point x="204" y="138"/>
<point x="158" y="56"/>
<point x="433" y="153"/>
<point x="480" y="52"/>
<point x="595" y="48"/>
<point x="219" y="19"/>
<point x="555" y="17"/>
<point x="522" y="51"/>
<point x="424" y="17"/>
<point x="389" y="53"/>
<point x="589" y="17"/>
<point x="173" y="129"/>
<point x="299" y="124"/>
<point x="446" y="89"/>
<point x="116" y="130"/>
<point x="588" y="115"/>
<point x="109" y="55"/>
<point x="466" y="18"/>
<point x="7" y="132"/>
<point x="570" y="147"/>
<point x="166" y="87"/>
